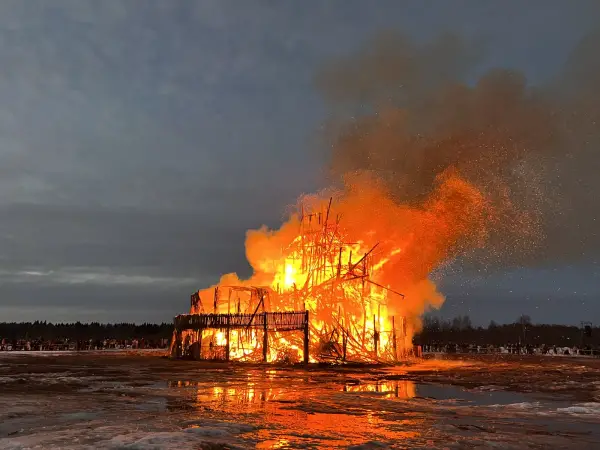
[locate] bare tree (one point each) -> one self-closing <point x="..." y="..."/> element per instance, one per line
<point x="524" y="320"/>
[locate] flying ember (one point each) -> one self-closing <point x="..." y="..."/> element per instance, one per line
<point x="346" y="278"/>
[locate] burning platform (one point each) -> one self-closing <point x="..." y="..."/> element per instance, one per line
<point x="314" y="297"/>
<point x="195" y="324"/>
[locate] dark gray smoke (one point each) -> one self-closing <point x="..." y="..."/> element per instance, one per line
<point x="532" y="149"/>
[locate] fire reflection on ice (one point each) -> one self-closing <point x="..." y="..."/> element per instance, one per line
<point x="288" y="413"/>
<point x="255" y="394"/>
<point x="403" y="389"/>
<point x="246" y="394"/>
<point x="250" y="393"/>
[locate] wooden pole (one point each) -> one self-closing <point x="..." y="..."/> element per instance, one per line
<point x="328" y="208"/>
<point x="198" y="346"/>
<point x="404" y="333"/>
<point x="394" y="343"/>
<point x="375" y="336"/>
<point x="227" y="337"/>
<point x="306" y="338"/>
<point x="265" y="338"/>
<point x="178" y="344"/>
<point x="200" y="343"/>
<point x="175" y="339"/>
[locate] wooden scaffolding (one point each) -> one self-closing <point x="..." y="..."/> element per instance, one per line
<point x="336" y="287"/>
<point x="265" y="321"/>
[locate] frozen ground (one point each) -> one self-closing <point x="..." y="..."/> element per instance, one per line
<point x="142" y="401"/>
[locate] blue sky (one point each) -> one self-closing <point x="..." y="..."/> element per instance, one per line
<point x="139" y="140"/>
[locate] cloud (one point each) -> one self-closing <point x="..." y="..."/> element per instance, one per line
<point x="86" y="276"/>
<point x="138" y="142"/>
<point x="177" y="243"/>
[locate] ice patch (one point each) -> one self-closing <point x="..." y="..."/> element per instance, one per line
<point x="209" y="431"/>
<point x="579" y="409"/>
<point x="582" y="409"/>
<point x="217" y="434"/>
<point x="523" y="406"/>
<point x="213" y="435"/>
<point x="489" y="388"/>
<point x="162" y="441"/>
<point x="233" y="427"/>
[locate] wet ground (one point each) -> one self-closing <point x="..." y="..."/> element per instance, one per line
<point x="143" y="401"/>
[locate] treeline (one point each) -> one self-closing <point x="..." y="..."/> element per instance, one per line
<point x="460" y="330"/>
<point x="84" y="331"/>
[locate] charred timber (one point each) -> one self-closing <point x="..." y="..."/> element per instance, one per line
<point x="272" y="321"/>
<point x="268" y="321"/>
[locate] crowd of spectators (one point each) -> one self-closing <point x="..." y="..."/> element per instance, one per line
<point x="77" y="336"/>
<point x="516" y="349"/>
<point x="81" y="345"/>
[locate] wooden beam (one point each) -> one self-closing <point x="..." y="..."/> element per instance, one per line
<point x="265" y="339"/>
<point x="353" y="266"/>
<point x="394" y="343"/>
<point x="375" y="338"/>
<point x="227" y="337"/>
<point x="306" y="338"/>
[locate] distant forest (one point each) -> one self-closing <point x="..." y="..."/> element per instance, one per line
<point x="460" y="330"/>
<point x="84" y="331"/>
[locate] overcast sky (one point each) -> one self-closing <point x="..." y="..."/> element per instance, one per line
<point x="139" y="140"/>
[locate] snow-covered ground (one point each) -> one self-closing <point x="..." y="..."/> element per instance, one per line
<point x="40" y="353"/>
<point x="145" y="402"/>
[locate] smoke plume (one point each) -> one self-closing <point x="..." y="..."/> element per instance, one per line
<point x="532" y="151"/>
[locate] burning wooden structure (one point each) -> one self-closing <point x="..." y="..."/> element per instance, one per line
<point x="323" y="302"/>
<point x="194" y="325"/>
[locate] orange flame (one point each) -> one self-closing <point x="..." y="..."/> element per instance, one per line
<point x="347" y="257"/>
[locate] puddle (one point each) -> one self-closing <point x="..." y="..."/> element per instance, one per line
<point x="478" y="398"/>
<point x="401" y="389"/>
<point x="258" y="390"/>
<point x="405" y="389"/>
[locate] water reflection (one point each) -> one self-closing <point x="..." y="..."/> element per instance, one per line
<point x="240" y="395"/>
<point x="290" y="411"/>
<point x="256" y="392"/>
<point x="249" y="394"/>
<point x="403" y="389"/>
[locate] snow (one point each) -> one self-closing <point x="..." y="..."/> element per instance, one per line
<point x="150" y="403"/>
<point x="582" y="409"/>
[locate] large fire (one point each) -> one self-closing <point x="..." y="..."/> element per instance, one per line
<point x="358" y="261"/>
